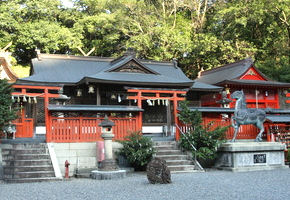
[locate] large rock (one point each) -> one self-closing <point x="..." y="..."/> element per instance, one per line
<point x="158" y="172"/>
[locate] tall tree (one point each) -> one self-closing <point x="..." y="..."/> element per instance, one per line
<point x="34" y="24"/>
<point x="7" y="113"/>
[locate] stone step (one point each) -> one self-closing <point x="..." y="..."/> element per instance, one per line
<point x="165" y="147"/>
<point x="23" y="151"/>
<point x="9" y="170"/>
<point x="181" y="167"/>
<point x="31" y="156"/>
<point x="178" y="162"/>
<point x="162" y="143"/>
<point x="27" y="162"/>
<point x="172" y="157"/>
<point x="29" y="146"/>
<point x="169" y="152"/>
<point x="185" y="171"/>
<point x="38" y="174"/>
<point x="31" y="180"/>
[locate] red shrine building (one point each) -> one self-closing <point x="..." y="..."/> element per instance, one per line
<point x="66" y="97"/>
<point x="259" y="90"/>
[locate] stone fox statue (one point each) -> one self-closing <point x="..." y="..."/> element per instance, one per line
<point x="244" y="115"/>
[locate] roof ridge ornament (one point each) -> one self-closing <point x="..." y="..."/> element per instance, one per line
<point x="174" y="60"/>
<point x="86" y="54"/>
<point x="38" y="53"/>
<point x="130" y="52"/>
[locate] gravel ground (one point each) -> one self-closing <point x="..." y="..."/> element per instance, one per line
<point x="215" y="185"/>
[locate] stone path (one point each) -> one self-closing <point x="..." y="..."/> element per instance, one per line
<point x="266" y="185"/>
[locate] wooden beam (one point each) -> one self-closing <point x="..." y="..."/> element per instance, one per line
<point x="42" y="95"/>
<point x="37" y="87"/>
<point x="157" y="91"/>
<point x="6" y="47"/>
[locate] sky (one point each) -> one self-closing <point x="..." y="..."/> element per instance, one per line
<point x="67" y="3"/>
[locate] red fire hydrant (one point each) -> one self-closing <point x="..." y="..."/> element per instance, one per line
<point x="66" y="164"/>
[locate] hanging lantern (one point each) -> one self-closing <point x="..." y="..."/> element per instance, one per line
<point x="29" y="100"/>
<point x="167" y="102"/>
<point x="13" y="99"/>
<point x="35" y="100"/>
<point x="79" y="92"/>
<point x="113" y="96"/>
<point x="149" y="102"/>
<point x="18" y="99"/>
<point x="24" y="99"/>
<point x="91" y="89"/>
<point x="228" y="90"/>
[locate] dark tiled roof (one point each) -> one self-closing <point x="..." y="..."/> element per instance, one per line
<point x="278" y="118"/>
<point x="226" y="72"/>
<point x="199" y="86"/>
<point x="230" y="74"/>
<point x="231" y="110"/>
<point x="255" y="82"/>
<point x="213" y="109"/>
<point x="63" y="69"/>
<point x="101" y="108"/>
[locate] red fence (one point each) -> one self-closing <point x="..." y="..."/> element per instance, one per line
<point x="281" y="133"/>
<point x="245" y="131"/>
<point x="24" y="128"/>
<point x="85" y="129"/>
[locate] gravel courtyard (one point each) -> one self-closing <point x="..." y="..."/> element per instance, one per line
<point x="209" y="185"/>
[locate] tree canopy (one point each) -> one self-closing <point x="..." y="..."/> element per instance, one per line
<point x="201" y="34"/>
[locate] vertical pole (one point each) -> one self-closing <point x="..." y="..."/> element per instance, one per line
<point x="277" y="98"/>
<point x="46" y="102"/>
<point x="140" y="113"/>
<point x="98" y="96"/>
<point x="175" y="115"/>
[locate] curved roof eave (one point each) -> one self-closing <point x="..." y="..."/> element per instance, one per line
<point x="180" y="84"/>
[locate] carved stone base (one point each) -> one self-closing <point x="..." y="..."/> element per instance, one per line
<point x="108" y="165"/>
<point x="250" y="156"/>
<point x="108" y="175"/>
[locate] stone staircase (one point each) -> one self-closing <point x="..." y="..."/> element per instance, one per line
<point x="27" y="163"/>
<point x="176" y="160"/>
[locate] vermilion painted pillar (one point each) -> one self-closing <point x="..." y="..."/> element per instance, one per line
<point x="139" y="101"/>
<point x="177" y="134"/>
<point x="46" y="102"/>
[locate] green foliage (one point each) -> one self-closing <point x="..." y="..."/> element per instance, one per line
<point x="202" y="137"/>
<point x="138" y="150"/>
<point x="7" y="113"/>
<point x="200" y="34"/>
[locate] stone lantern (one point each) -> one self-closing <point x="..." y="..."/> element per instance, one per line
<point x="108" y="168"/>
<point x="109" y="164"/>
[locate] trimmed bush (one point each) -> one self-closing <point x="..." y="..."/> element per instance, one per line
<point x="204" y="140"/>
<point x="138" y="150"/>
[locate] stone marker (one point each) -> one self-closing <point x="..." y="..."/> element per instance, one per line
<point x="158" y="172"/>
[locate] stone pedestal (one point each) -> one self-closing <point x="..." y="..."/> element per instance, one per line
<point x="108" y="169"/>
<point x="108" y="175"/>
<point x="250" y="156"/>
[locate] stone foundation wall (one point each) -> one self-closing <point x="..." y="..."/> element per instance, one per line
<point x="81" y="155"/>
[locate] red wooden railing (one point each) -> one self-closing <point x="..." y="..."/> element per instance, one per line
<point x="281" y="133"/>
<point x="86" y="129"/>
<point x="245" y="131"/>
